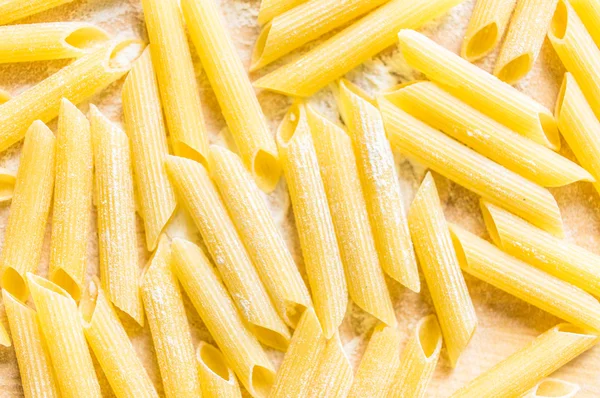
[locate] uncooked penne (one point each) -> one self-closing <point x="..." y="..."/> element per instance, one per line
<point x="216" y="378"/>
<point x="352" y="46"/>
<point x="313" y="219"/>
<point x="8" y="178"/>
<point x="440" y="267"/>
<point x="265" y="245"/>
<point x="24" y="235"/>
<point x="525" y="368"/>
<point x="479" y="89"/>
<point x="364" y="276"/>
<point x="376" y="168"/>
<point x="589" y="12"/>
<point x="147" y="133"/>
<point x="271" y="8"/>
<point x="233" y="89"/>
<point x="75" y="82"/>
<point x="4" y="337"/>
<point x="549" y="388"/>
<point x="439" y="109"/>
<point x="12" y="10"/>
<point x="60" y="323"/>
<point x="466" y="167"/>
<point x="333" y="374"/>
<point x="240" y="347"/>
<point x="200" y="197"/>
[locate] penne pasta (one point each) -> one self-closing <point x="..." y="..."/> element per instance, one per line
<point x="62" y="329"/>
<point x="149" y="148"/>
<point x="24" y="235"/>
<point x="471" y="170"/>
<point x="4" y="337"/>
<point x="479" y="89"/>
<point x="240" y="347"/>
<point x="525" y="368"/>
<point x="200" y="197"/>
<point x="589" y="12"/>
<point x="313" y="219"/>
<point x="12" y="10"/>
<point x="269" y="9"/>
<point x="442" y="111"/>
<point x="333" y="375"/>
<point x="352" y="46"/>
<point x="556" y="388"/>
<point x="258" y="232"/>
<point x="216" y="378"/>
<point x="440" y="267"/>
<point x="364" y="276"/>
<point x="8" y="178"/>
<point x="234" y="91"/>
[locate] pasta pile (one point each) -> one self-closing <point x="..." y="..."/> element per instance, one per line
<point x="352" y="224"/>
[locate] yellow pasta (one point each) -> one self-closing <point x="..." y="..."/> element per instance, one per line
<point x="352" y="46"/>
<point x="149" y="148"/>
<point x="589" y="12"/>
<point x="8" y="179"/>
<point x="59" y="320"/>
<point x="440" y="266"/>
<point x="12" y="10"/>
<point x="4" y="337"/>
<point x="200" y="197"/>
<point x="379" y="181"/>
<point x="216" y="378"/>
<point x="553" y="388"/>
<point x="313" y="219"/>
<point x="333" y="375"/>
<point x="479" y="89"/>
<point x="418" y="360"/>
<point x="439" y="109"/>
<point x="364" y="276"/>
<point x="240" y="347"/>
<point x="234" y="91"/>
<point x="471" y="170"/>
<point x="258" y="232"/>
<point x="525" y="368"/>
<point x="24" y="235"/>
<point x="271" y="8"/>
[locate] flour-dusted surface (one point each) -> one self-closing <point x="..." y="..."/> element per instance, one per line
<point x="505" y="323"/>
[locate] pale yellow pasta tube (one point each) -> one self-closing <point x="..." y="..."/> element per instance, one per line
<point x="260" y="236"/>
<point x="439" y="109"/>
<point x="352" y="46"/>
<point x="313" y="219"/>
<point x="364" y="276"/>
<point x="523" y="370"/>
<point x="418" y="360"/>
<point x="481" y="90"/>
<point x="4" y="337"/>
<point x="333" y="375"/>
<point x="169" y="327"/>
<point x="8" y="179"/>
<point x="200" y="197"/>
<point x="553" y="388"/>
<point x="59" y="320"/>
<point x="485" y="261"/>
<point x="112" y="347"/>
<point x="176" y="78"/>
<point x="11" y="10"/>
<point x="234" y="91"/>
<point x="216" y="378"/>
<point x="149" y="148"/>
<point x="75" y="82"/>
<point x="379" y="181"/>
<point x="471" y="170"/>
<point x="272" y="8"/>
<point x="589" y="12"/>
<point x="240" y="347"/>
<point x="486" y="28"/>
<point x="29" y="210"/>
<point x="440" y="266"/>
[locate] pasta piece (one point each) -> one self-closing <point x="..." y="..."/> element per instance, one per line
<point x="259" y="234"/>
<point x="169" y="327"/>
<point x="352" y="46"/>
<point x="8" y="178"/>
<point x="442" y="111"/>
<point x="110" y="343"/>
<point x="200" y="197"/>
<point x="62" y="329"/>
<point x="24" y="236"/>
<point x="4" y="337"/>
<point x="234" y="91"/>
<point x="553" y="388"/>
<point x="379" y="181"/>
<point x="364" y="276"/>
<point x="313" y="219"/>
<point x="149" y="148"/>
<point x="240" y="347"/>
<point x="4" y="96"/>
<point x="471" y="170"/>
<point x="440" y="266"/>
<point x="269" y="9"/>
<point x="37" y="374"/>
<point x="479" y="89"/>
<point x="589" y="12"/>
<point x="525" y="368"/>
<point x="75" y="82"/>
<point x="485" y="261"/>
<point x="176" y="78"/>
<point x="418" y="360"/>
<point x="216" y="378"/>
<point x="486" y="28"/>
<point x="302" y="24"/>
<point x="44" y="41"/>
<point x="333" y="375"/>
<point x="12" y="10"/>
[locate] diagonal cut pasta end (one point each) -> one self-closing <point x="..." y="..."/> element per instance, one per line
<point x="553" y="388"/>
<point x="84" y="38"/>
<point x="481" y="42"/>
<point x="258" y="58"/>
